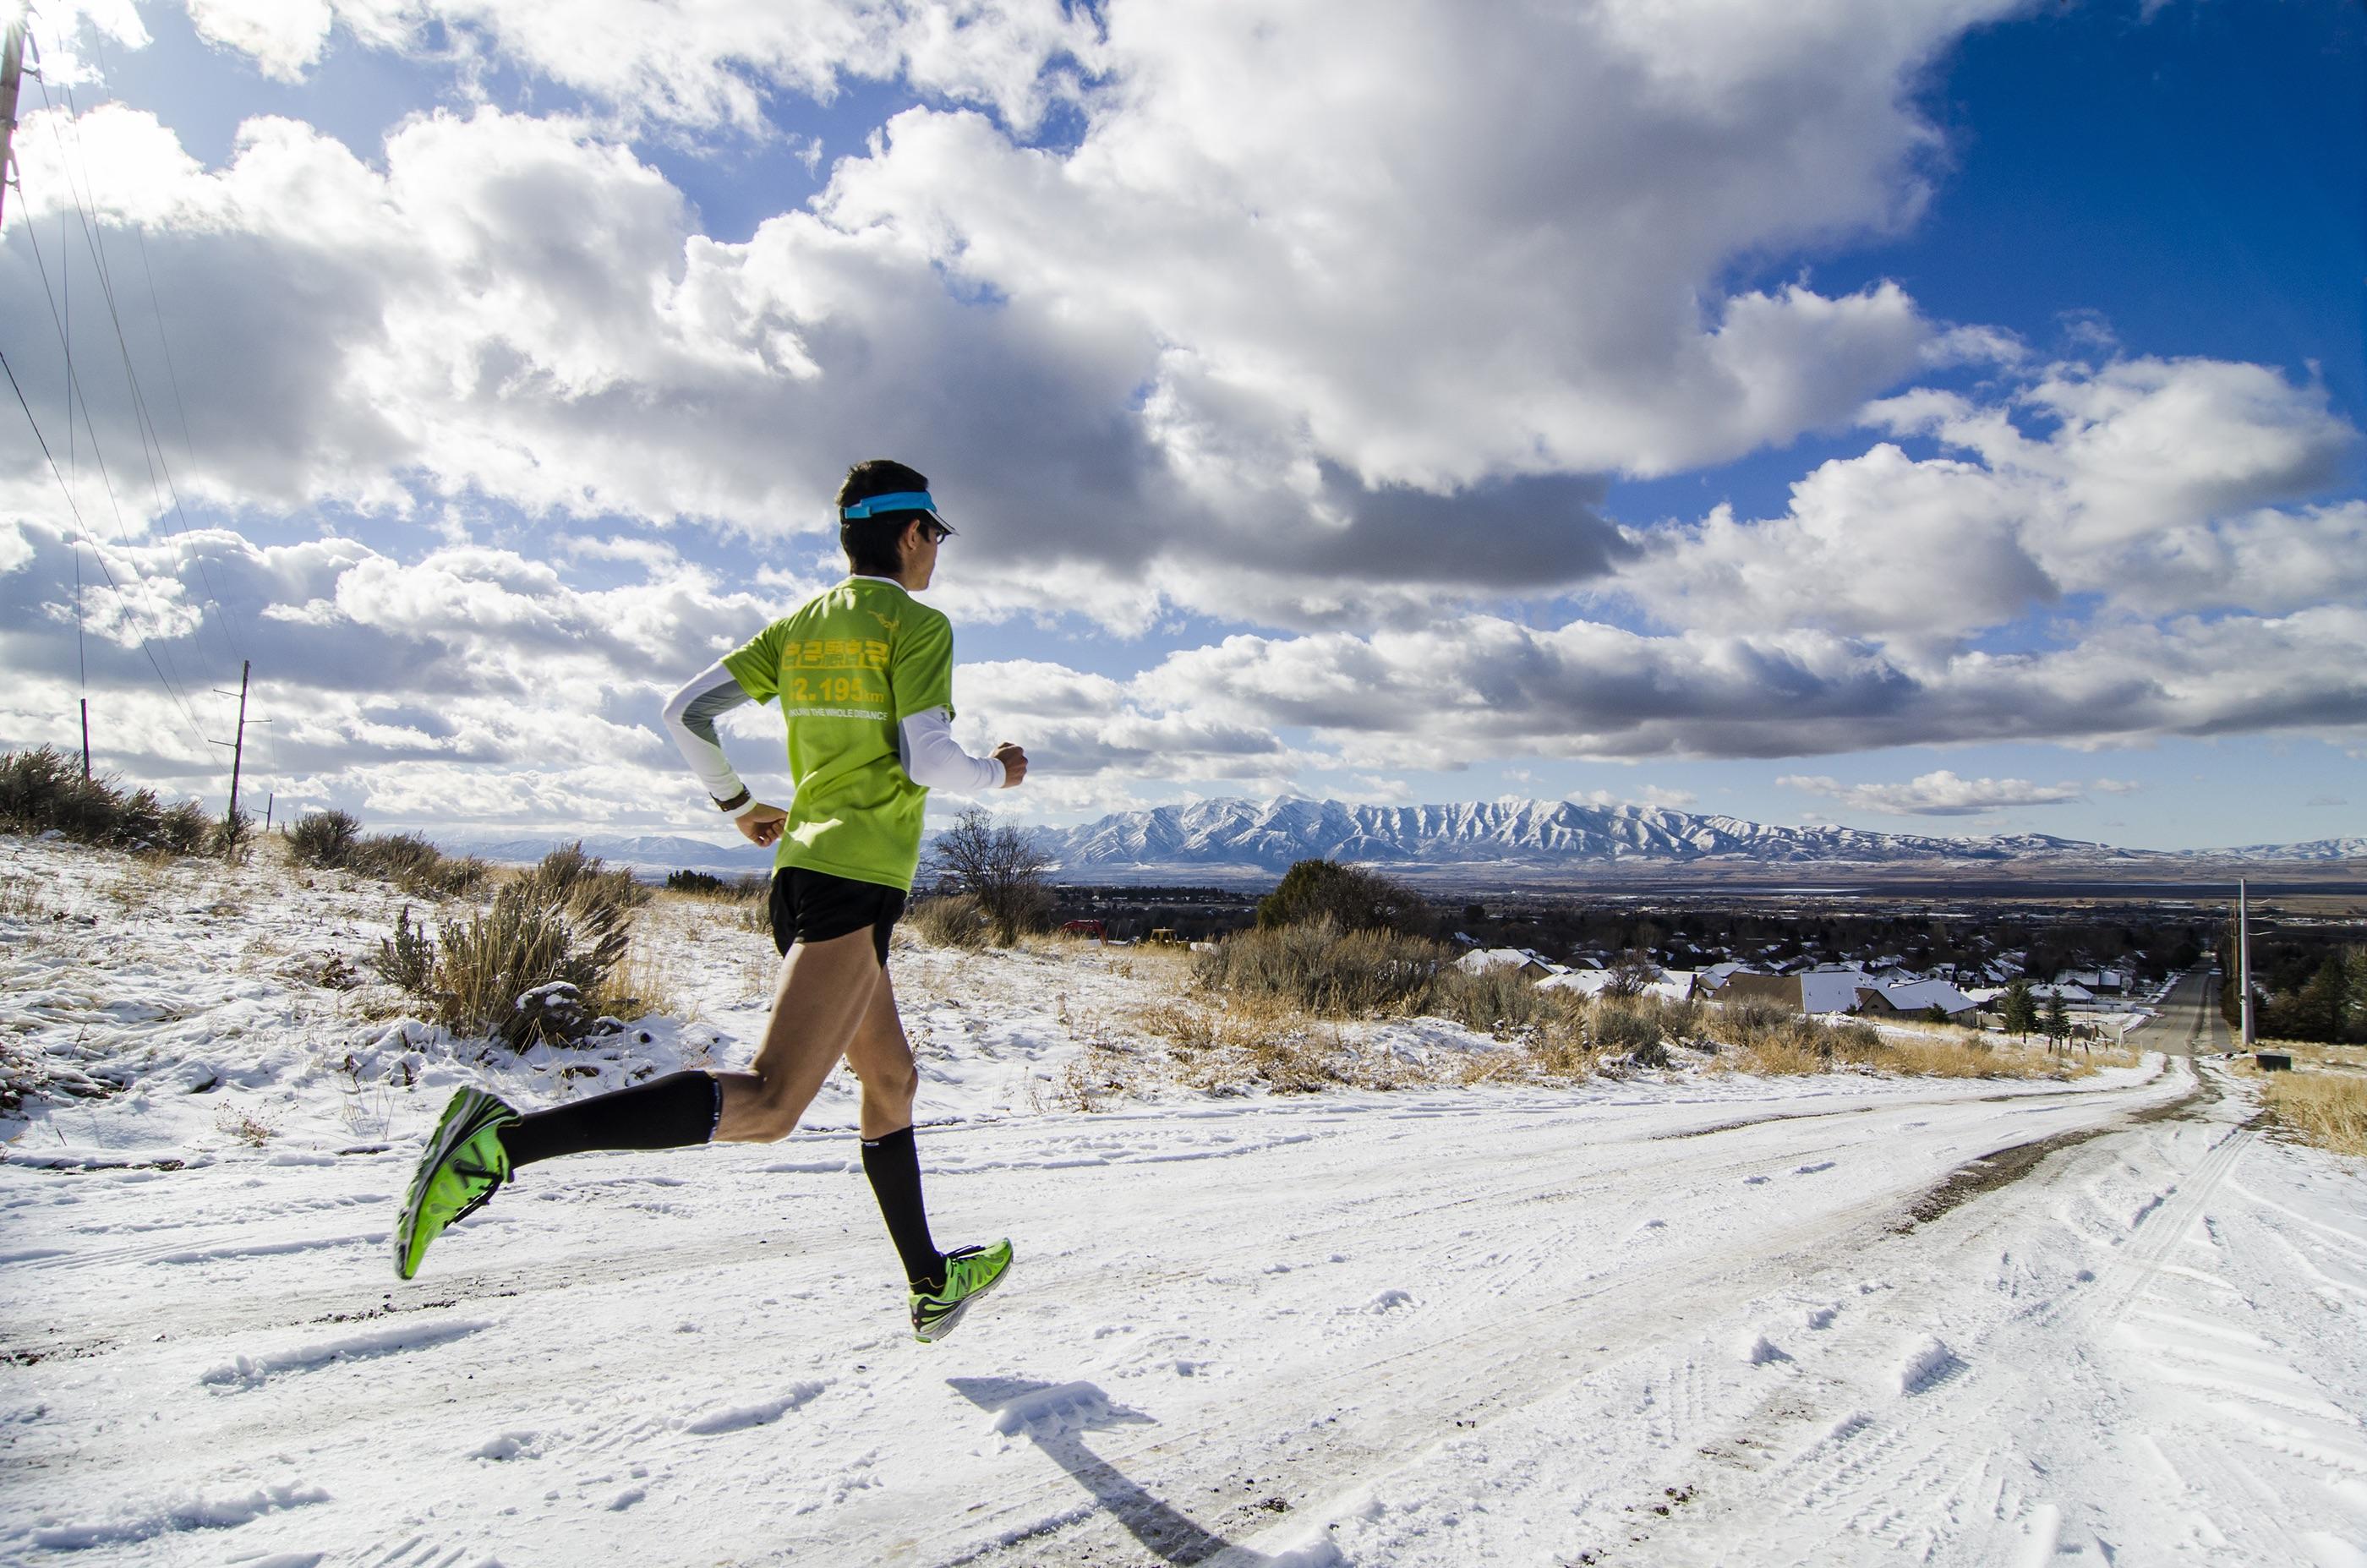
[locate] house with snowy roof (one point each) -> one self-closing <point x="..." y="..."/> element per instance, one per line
<point x="1918" y="997"/>
<point x="1528" y="963"/>
<point x="1815" y="992"/>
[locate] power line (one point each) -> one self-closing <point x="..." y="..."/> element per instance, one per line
<point x="70" y="505"/>
<point x="152" y="446"/>
<point x="107" y="483"/>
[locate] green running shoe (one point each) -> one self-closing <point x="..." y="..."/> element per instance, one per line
<point x="971" y="1272"/>
<point x="464" y="1166"/>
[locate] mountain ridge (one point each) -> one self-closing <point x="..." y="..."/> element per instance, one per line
<point x="1539" y="836"/>
<point x="1511" y="839"/>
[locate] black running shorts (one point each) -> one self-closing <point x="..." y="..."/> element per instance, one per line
<point x="813" y="906"/>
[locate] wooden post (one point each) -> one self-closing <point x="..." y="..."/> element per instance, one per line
<point x="85" y="740"/>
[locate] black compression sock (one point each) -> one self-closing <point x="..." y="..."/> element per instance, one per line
<point x="671" y="1112"/>
<point x="893" y="1163"/>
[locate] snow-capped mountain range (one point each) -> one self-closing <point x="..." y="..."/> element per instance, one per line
<point x="1535" y="837"/>
<point x="1502" y="840"/>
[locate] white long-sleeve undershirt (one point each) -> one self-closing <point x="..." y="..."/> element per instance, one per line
<point x="934" y="760"/>
<point x="690" y="716"/>
<point x="925" y="746"/>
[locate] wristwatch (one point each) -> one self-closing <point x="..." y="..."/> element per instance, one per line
<point x="734" y="803"/>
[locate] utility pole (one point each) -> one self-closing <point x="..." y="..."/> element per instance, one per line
<point x="12" y="76"/>
<point x="2244" y="957"/>
<point x="237" y="747"/>
<point x="85" y="740"/>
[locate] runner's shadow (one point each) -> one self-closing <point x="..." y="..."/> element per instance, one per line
<point x="1056" y="1418"/>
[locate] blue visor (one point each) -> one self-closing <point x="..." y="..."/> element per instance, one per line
<point x="901" y="500"/>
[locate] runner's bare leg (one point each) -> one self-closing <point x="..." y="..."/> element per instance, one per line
<point x="824" y="990"/>
<point x="882" y="1059"/>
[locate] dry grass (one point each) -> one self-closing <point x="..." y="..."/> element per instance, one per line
<point x="2328" y="1108"/>
<point x="1229" y="1046"/>
<point x="951" y="919"/>
<point x="21" y="898"/>
<point x="245" y="1128"/>
<point x="1769" y="1042"/>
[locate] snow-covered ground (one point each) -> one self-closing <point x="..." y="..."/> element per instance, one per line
<point x="1675" y="1318"/>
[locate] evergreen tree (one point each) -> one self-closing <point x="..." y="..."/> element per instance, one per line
<point x="1352" y="898"/>
<point x="2058" y="1020"/>
<point x="2018" y="1009"/>
<point x="2320" y="1009"/>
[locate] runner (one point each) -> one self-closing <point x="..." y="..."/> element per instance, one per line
<point x="864" y="673"/>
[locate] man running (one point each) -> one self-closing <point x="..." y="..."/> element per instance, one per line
<point x="864" y="673"/>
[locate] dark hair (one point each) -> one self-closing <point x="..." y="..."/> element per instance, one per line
<point x="871" y="542"/>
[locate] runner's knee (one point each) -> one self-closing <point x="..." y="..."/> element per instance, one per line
<point x="891" y="1086"/>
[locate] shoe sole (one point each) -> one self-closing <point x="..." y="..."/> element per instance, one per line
<point x="463" y="1120"/>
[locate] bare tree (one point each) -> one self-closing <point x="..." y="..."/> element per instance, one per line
<point x="1631" y="973"/>
<point x="1002" y="868"/>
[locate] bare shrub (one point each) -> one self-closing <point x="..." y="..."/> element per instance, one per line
<point x="323" y="838"/>
<point x="1497" y="999"/>
<point x="1746" y="1022"/>
<point x="42" y="790"/>
<point x="1853" y="1040"/>
<point x="581" y="883"/>
<point x="951" y="919"/>
<point x="1002" y="868"/>
<point x="416" y="866"/>
<point x="182" y="829"/>
<point x="231" y="835"/>
<point x="247" y="1129"/>
<point x="1685" y="1019"/>
<point x="1619" y="1027"/>
<point x="1630" y="973"/>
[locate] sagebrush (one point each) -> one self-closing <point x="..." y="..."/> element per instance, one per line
<point x="541" y="962"/>
<point x="42" y="790"/>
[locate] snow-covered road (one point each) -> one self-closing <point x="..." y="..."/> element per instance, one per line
<point x="1639" y="1324"/>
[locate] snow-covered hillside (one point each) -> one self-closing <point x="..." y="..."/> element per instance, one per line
<point x="1669" y="1318"/>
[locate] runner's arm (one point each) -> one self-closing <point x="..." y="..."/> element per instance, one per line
<point x="690" y="717"/>
<point x="934" y="760"/>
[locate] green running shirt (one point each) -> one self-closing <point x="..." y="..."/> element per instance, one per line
<point x="849" y="667"/>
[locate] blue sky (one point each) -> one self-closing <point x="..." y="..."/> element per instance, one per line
<point x="1929" y="418"/>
